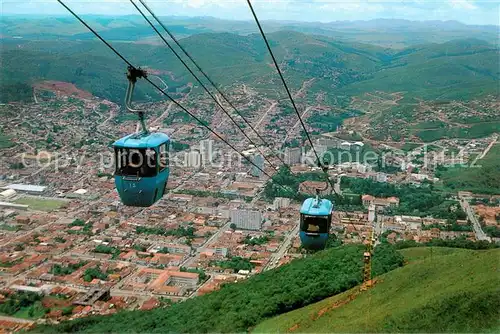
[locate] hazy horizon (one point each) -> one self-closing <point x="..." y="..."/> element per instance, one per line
<point x="469" y="12"/>
<point x="39" y="16"/>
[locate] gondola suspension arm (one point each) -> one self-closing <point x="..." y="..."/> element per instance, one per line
<point x="132" y="75"/>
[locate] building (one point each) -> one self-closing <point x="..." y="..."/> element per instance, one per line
<point x="379" y="202"/>
<point x="193" y="159"/>
<point x="371" y="214"/>
<point x="9" y="193"/>
<point x="328" y="142"/>
<point x="221" y="251"/>
<point x="206" y="150"/>
<point x="246" y="219"/>
<point x="28" y="188"/>
<point x="293" y="155"/>
<point x="7" y="205"/>
<point x="175" y="248"/>
<point x="92" y="296"/>
<point x="281" y="202"/>
<point x="258" y="160"/>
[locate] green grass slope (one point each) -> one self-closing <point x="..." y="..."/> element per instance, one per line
<point x="238" y="307"/>
<point x="482" y="178"/>
<point x="440" y="290"/>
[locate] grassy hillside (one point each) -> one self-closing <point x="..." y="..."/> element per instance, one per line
<point x="458" y="69"/>
<point x="237" y="307"/>
<point x="481" y="178"/>
<point x="440" y="290"/>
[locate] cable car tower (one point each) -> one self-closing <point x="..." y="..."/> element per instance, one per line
<point x="142" y="158"/>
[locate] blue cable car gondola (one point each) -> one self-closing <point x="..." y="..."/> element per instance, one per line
<point x="315" y="222"/>
<point x="141" y="159"/>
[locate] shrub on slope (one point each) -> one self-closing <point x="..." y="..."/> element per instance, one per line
<point x="236" y="307"/>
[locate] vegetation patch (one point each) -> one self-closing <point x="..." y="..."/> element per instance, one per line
<point x="440" y="290"/>
<point x="40" y="204"/>
<point x="237" y="307"/>
<point x="483" y="178"/>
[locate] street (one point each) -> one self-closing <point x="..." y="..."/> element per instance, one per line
<point x="480" y="235"/>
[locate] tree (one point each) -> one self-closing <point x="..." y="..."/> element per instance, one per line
<point x="233" y="226"/>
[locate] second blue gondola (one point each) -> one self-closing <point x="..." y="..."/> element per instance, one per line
<point x="315" y="222"/>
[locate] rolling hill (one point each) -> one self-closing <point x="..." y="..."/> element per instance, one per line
<point x="383" y="32"/>
<point x="456" y="69"/>
<point x="440" y="290"/>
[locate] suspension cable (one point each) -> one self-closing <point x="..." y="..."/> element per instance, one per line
<point x="210" y="80"/>
<point x="162" y="92"/>
<point x="200" y="82"/>
<point x="167" y="95"/>
<point x="320" y="163"/>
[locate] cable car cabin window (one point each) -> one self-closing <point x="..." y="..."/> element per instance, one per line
<point x="136" y="162"/>
<point x="315" y="224"/>
<point x="164" y="156"/>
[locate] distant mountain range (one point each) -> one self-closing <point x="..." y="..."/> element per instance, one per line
<point x="382" y="32"/>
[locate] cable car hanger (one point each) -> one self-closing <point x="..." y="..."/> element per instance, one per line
<point x="132" y="75"/>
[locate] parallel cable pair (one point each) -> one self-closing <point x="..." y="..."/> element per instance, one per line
<point x="163" y="92"/>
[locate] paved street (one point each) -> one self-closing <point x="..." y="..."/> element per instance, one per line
<point x="480" y="235"/>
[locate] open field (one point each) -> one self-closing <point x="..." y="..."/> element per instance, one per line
<point x="40" y="204"/>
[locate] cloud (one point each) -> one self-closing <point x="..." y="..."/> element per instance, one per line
<point x="462" y="4"/>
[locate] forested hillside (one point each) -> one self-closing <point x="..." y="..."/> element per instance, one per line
<point x="237" y="307"/>
<point x="457" y="69"/>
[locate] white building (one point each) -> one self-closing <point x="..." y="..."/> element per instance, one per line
<point x="27" y="188"/>
<point x="328" y="142"/>
<point x="8" y="193"/>
<point x="371" y="213"/>
<point x="258" y="160"/>
<point x="293" y="155"/>
<point x="246" y="219"/>
<point x="281" y="202"/>
<point x="206" y="150"/>
<point x="193" y="159"/>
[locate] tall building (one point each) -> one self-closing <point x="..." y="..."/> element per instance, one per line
<point x="206" y="150"/>
<point x="371" y="213"/>
<point x="193" y="159"/>
<point x="246" y="219"/>
<point x="258" y="160"/>
<point x="293" y="155"/>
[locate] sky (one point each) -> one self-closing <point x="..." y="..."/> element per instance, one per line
<point x="479" y="12"/>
